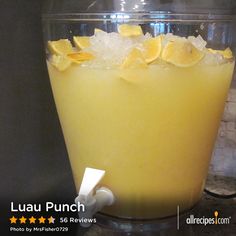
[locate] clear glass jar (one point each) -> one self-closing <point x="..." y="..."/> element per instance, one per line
<point x="151" y="129"/>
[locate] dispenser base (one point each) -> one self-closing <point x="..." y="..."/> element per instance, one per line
<point x="131" y="225"/>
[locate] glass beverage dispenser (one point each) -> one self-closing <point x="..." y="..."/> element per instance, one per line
<point x="140" y="92"/>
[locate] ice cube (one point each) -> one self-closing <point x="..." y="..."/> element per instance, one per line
<point x="198" y="42"/>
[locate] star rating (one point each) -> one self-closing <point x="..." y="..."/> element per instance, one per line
<point x="23" y="220"/>
<point x="13" y="220"/>
<point x="32" y="220"/>
<point x="51" y="220"/>
<point x="42" y="220"/>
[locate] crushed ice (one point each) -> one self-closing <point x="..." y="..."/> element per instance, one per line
<point x="112" y="48"/>
<point x="212" y="59"/>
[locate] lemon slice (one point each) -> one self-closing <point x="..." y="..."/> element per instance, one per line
<point x="80" y="57"/>
<point x="130" y="30"/>
<point x="60" y="47"/>
<point x="60" y="62"/>
<point x="227" y="53"/>
<point x="81" y="42"/>
<point x="152" y="49"/>
<point x="181" y="53"/>
<point x="134" y="59"/>
<point x="96" y="30"/>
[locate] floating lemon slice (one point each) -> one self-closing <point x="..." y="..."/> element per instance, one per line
<point x="96" y="30"/>
<point x="152" y="49"/>
<point x="227" y="53"/>
<point x="130" y="30"/>
<point x="60" y="47"/>
<point x="81" y="42"/>
<point x="60" y="62"/>
<point x="134" y="59"/>
<point x="181" y="53"/>
<point x="80" y="57"/>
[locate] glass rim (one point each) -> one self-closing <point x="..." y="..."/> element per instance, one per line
<point x="159" y="16"/>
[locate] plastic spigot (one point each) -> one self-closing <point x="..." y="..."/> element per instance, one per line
<point x="93" y="200"/>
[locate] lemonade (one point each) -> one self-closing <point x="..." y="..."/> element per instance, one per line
<point x="147" y="114"/>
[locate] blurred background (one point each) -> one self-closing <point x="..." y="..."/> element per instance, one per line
<point x="34" y="164"/>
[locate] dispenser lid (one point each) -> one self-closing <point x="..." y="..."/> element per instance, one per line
<point x="111" y="6"/>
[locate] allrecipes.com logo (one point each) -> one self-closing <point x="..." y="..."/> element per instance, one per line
<point x="216" y="220"/>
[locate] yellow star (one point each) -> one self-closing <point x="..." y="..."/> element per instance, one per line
<point x="32" y="220"/>
<point x="13" y="220"/>
<point x="42" y="220"/>
<point x="51" y="220"/>
<point x="22" y="220"/>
